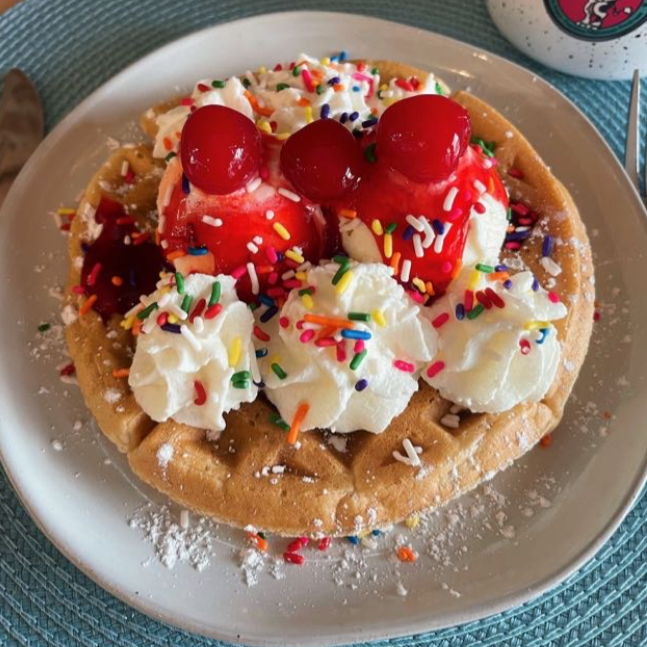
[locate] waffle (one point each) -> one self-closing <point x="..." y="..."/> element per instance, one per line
<point x="319" y="489"/>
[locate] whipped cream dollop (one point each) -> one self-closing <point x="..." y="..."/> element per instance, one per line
<point x="506" y="354"/>
<point x="351" y="348"/>
<point x="170" y="123"/>
<point x="194" y="361"/>
<point x="282" y="102"/>
<point x="486" y="232"/>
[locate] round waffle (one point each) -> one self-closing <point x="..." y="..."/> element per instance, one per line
<point x="319" y="489"/>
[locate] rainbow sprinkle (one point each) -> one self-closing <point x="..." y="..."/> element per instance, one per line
<point x="544" y="333"/>
<point x="275" y="419"/>
<point x="376" y="227"/>
<point x="358" y="358"/>
<point x="328" y="321"/>
<point x="405" y="367"/>
<point x="295" y="256"/>
<point x="278" y="371"/>
<point x="360" y="385"/>
<point x="363" y="335"/>
<point x="339" y="274"/>
<point x="200" y="393"/>
<point x="435" y="368"/>
<point x="143" y="314"/>
<point x="547" y="246"/>
<point x="440" y="320"/>
<point x="388" y="245"/>
<point x="297" y="421"/>
<point x="213" y="311"/>
<point x="534" y="325"/>
<point x="179" y="283"/>
<point x="235" y="351"/>
<point x="378" y="317"/>
<point x="269" y="314"/>
<point x="241" y="379"/>
<point x="344" y="282"/>
<point x="281" y="231"/>
<point x="186" y="303"/>
<point x="475" y="311"/>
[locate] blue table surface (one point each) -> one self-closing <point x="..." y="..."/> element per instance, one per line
<point x="69" y="48"/>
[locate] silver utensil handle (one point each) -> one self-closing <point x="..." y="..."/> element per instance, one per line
<point x="633" y="130"/>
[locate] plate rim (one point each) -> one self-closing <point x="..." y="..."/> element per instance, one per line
<point x="484" y="611"/>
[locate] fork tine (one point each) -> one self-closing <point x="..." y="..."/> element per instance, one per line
<point x="633" y="129"/>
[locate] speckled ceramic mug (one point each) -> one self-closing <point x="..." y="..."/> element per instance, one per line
<point x="601" y="39"/>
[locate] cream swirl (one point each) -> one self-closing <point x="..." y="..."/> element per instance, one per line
<point x="505" y="355"/>
<point x="349" y="92"/>
<point x="200" y="367"/>
<point x="348" y="383"/>
<point x="486" y="232"/>
<point x="170" y="123"/>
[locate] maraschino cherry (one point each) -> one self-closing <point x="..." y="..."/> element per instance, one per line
<point x="220" y="149"/>
<point x="322" y="160"/>
<point x="423" y="137"/>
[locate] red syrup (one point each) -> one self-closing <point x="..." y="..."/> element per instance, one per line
<point x="388" y="196"/>
<point x="125" y="271"/>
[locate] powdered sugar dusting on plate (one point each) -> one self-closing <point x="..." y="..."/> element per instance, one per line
<point x="172" y="541"/>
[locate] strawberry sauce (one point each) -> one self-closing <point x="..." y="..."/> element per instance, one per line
<point x="387" y="197"/>
<point x="119" y="273"/>
<point x="224" y="233"/>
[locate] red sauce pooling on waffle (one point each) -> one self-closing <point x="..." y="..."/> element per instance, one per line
<point x="116" y="272"/>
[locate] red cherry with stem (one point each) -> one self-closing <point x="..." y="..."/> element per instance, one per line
<point x="322" y="160"/>
<point x="423" y="137"/>
<point x="220" y="149"/>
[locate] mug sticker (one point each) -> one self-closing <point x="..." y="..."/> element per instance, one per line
<point x="597" y="19"/>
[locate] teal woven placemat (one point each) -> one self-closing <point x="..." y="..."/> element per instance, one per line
<point x="70" y="47"/>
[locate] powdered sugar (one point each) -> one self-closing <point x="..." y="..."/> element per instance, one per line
<point x="251" y="562"/>
<point x="172" y="541"/>
<point x="338" y="441"/>
<point x="92" y="228"/>
<point x="69" y="314"/>
<point x="112" y="395"/>
<point x="164" y="455"/>
<point x="438" y="538"/>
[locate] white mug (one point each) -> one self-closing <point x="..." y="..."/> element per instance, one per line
<point x="599" y="39"/>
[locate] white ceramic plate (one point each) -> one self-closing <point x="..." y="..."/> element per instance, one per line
<point x="82" y="501"/>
